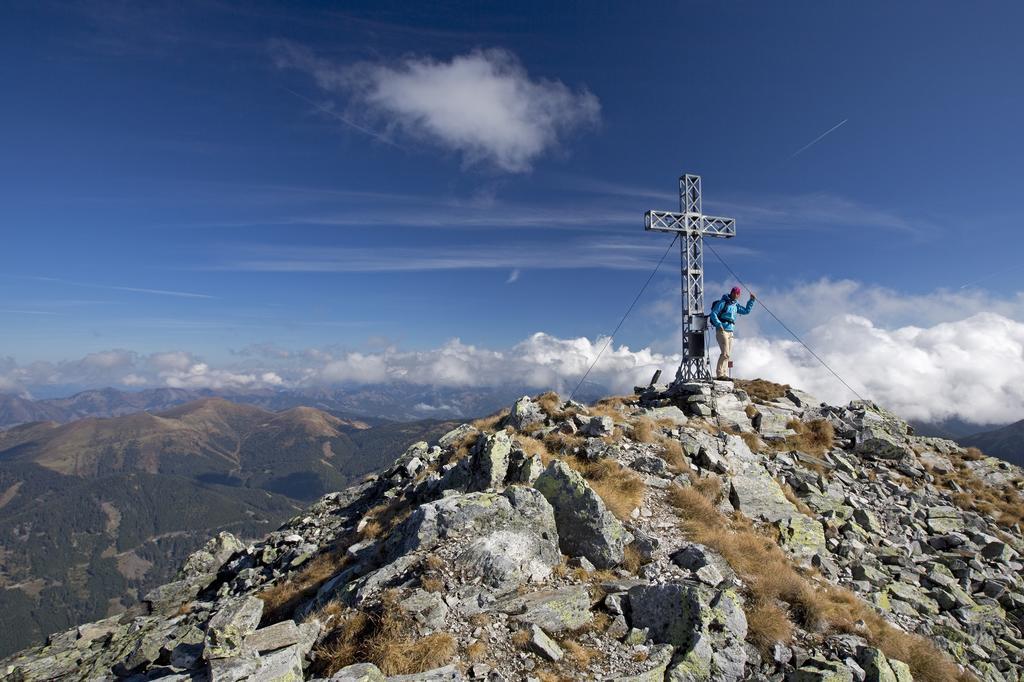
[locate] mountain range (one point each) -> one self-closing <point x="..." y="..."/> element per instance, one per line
<point x="95" y="511"/>
<point x="397" y="401"/>
<point x="694" y="532"/>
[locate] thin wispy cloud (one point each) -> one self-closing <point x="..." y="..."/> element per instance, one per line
<point x="138" y="290"/>
<point x="482" y="105"/>
<point x="12" y="311"/>
<point x="778" y="212"/>
<point x="604" y="254"/>
<point x="818" y="139"/>
<point x="513" y="277"/>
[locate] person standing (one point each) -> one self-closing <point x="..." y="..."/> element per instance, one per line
<point x="723" y="319"/>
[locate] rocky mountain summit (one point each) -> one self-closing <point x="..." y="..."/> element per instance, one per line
<point x="700" y="532"/>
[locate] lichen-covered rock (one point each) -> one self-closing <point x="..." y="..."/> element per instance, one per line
<point x="360" y="672"/>
<point x="554" y="610"/>
<point x="230" y="626"/>
<point x="707" y="634"/>
<point x="876" y="666"/>
<point x="585" y="526"/>
<point x="657" y="663"/>
<point x="457" y="434"/>
<point x="212" y="555"/>
<point x="489" y="462"/>
<point x="525" y="412"/>
<point x="506" y="539"/>
<point x="873" y="441"/>
<point x="821" y="670"/>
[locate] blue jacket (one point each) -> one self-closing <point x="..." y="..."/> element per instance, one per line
<point x="724" y="311"/>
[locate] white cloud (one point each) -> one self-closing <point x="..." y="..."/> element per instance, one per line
<point x="483" y="105"/>
<point x="927" y="356"/>
<point x="513" y="276"/>
<point x="200" y="375"/>
<point x="971" y="369"/>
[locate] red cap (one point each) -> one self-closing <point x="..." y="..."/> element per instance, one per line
<point x="737" y="291"/>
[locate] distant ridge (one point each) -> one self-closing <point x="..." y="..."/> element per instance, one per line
<point x="1006" y="443"/>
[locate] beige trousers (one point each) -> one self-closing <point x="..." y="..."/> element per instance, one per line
<point x="724" y="339"/>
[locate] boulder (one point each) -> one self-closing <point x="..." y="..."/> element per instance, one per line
<point x="455" y="435"/>
<point x="525" y="412"/>
<point x="212" y="555"/>
<point x="597" y="427"/>
<point x="360" y="672"/>
<point x="283" y="665"/>
<point x="231" y="625"/>
<point x="543" y="645"/>
<point x="874" y="442"/>
<point x="554" y="610"/>
<point x="489" y="463"/>
<point x="585" y="526"/>
<point x="505" y="539"/>
<point x="649" y="464"/>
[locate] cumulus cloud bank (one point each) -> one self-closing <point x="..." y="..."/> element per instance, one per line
<point x="483" y="105"/>
<point x="946" y="359"/>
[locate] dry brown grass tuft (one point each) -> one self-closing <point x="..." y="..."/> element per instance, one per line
<point x="709" y="486"/>
<point x="972" y="454"/>
<point x="563" y="444"/>
<point x="621" y="489"/>
<point x="479" y="620"/>
<point x="490" y="423"/>
<point x="549" y="676"/>
<point x="753" y="441"/>
<point x="632" y="560"/>
<point x="693" y="505"/>
<point x="432" y="583"/>
<point x="533" y="447"/>
<point x="1003" y="503"/>
<point x="600" y="622"/>
<point x="476" y="651"/>
<point x="645" y="430"/>
<point x="280" y="599"/>
<point x="581" y="655"/>
<point x="327" y="613"/>
<point x="382" y="519"/>
<point x="672" y="453"/>
<point x="767" y="623"/>
<point x="433" y="562"/>
<point x="552" y="405"/>
<point x="383" y="637"/>
<point x="760" y="389"/>
<point x="521" y="638"/>
<point x="815" y="437"/>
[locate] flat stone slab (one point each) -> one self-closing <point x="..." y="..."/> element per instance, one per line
<point x="553" y="610"/>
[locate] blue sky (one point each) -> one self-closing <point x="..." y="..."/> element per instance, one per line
<point x="211" y="177"/>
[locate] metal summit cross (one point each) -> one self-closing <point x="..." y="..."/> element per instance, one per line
<point x="692" y="226"/>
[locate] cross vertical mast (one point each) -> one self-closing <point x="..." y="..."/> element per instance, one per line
<point x="693" y="226"/>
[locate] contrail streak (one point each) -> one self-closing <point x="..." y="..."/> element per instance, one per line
<point x="351" y="124"/>
<point x="818" y="139"/>
<point x="988" y="276"/>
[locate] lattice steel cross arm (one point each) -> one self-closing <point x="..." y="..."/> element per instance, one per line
<point x="693" y="226"/>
